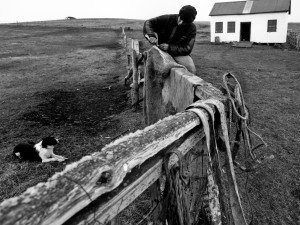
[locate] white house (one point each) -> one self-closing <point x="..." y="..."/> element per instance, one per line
<point x="260" y="21"/>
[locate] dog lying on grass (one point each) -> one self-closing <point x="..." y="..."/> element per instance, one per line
<point x="42" y="151"/>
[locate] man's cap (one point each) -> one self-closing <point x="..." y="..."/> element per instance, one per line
<point x="188" y="13"/>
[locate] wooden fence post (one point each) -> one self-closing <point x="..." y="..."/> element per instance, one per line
<point x="124" y="38"/>
<point x="135" y="83"/>
<point x="135" y="45"/>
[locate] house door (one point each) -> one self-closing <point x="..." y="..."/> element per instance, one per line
<point x="245" y="31"/>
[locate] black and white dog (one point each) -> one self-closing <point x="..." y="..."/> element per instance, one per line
<point x="42" y="151"/>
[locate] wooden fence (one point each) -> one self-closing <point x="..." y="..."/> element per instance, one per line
<point x="293" y="39"/>
<point x="97" y="188"/>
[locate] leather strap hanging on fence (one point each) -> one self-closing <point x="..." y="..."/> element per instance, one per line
<point x="175" y="207"/>
<point x="235" y="201"/>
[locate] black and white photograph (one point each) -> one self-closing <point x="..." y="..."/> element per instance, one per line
<point x="174" y="112"/>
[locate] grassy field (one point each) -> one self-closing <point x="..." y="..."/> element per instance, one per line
<point x="66" y="78"/>
<point x="294" y="27"/>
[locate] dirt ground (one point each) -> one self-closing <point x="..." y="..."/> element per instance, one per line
<point x="66" y="80"/>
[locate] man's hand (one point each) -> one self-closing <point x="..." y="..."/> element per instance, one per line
<point x="153" y="40"/>
<point x="164" y="47"/>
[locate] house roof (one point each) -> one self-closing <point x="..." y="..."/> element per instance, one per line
<point x="250" y="7"/>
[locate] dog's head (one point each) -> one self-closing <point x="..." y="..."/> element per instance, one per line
<point x="49" y="141"/>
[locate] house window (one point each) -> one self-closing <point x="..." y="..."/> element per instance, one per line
<point x="272" y="25"/>
<point x="219" y="27"/>
<point x="231" y="27"/>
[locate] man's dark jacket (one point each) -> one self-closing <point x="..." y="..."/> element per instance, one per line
<point x="181" y="41"/>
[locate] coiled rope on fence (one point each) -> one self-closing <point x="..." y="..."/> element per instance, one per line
<point x="237" y="103"/>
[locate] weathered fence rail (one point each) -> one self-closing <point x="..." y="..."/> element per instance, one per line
<point x="99" y="186"/>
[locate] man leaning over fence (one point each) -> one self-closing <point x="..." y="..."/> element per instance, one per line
<point x="175" y="34"/>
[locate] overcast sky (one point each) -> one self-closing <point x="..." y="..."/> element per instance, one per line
<point x="12" y="11"/>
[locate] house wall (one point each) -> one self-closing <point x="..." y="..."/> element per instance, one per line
<point x="259" y="25"/>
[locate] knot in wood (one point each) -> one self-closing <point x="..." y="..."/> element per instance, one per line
<point x="105" y="177"/>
